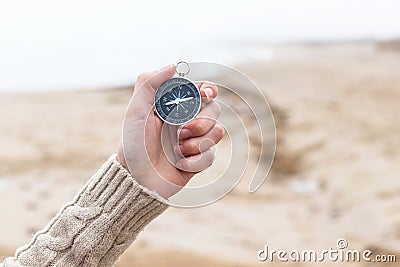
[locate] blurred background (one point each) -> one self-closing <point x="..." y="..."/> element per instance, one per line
<point x="330" y="70"/>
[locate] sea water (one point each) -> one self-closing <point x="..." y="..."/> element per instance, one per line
<point x="49" y="45"/>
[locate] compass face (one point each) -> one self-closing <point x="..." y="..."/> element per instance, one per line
<point x="177" y="101"/>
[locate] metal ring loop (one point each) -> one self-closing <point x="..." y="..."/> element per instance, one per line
<point x="181" y="74"/>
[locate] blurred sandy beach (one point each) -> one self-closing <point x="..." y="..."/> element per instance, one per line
<point x="336" y="173"/>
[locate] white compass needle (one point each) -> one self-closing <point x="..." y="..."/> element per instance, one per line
<point x="178" y="100"/>
<point x="171" y="102"/>
<point x="185" y="99"/>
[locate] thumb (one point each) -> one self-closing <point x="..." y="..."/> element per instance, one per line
<point x="148" y="82"/>
<point x="145" y="87"/>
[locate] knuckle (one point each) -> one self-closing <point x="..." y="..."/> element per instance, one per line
<point x="200" y="128"/>
<point x="191" y="147"/>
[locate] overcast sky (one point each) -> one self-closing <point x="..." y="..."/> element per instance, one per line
<point x="48" y="44"/>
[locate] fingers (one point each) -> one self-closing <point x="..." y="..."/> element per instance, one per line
<point x="198" y="136"/>
<point x="208" y="91"/>
<point x="203" y="123"/>
<point x="200" y="144"/>
<point x="196" y="163"/>
<point x="208" y="115"/>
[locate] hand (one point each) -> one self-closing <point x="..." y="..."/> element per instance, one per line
<point x="165" y="166"/>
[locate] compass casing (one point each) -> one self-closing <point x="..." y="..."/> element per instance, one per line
<point x="177" y="101"/>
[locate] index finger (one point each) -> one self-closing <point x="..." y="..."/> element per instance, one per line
<point x="208" y="90"/>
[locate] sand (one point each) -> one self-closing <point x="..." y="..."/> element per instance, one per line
<point x="335" y="175"/>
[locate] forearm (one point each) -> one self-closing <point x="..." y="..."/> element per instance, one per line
<point x="97" y="226"/>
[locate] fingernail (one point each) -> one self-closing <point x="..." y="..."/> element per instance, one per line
<point x="185" y="133"/>
<point x="209" y="92"/>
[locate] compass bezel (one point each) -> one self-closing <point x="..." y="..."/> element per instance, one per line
<point x="169" y="85"/>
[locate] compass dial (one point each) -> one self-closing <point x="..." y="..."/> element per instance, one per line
<point x="177" y="101"/>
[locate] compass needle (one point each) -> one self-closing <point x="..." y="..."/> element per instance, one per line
<point x="170" y="103"/>
<point x="185" y="99"/>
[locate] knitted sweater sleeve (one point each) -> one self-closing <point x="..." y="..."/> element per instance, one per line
<point x="97" y="226"/>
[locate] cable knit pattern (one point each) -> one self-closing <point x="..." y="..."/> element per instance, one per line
<point x="97" y="226"/>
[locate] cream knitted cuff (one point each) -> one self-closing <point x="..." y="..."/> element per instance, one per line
<point x="96" y="227"/>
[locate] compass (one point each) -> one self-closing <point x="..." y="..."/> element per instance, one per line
<point x="177" y="100"/>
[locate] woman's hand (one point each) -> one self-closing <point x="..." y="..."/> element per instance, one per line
<point x="163" y="157"/>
